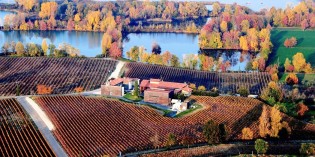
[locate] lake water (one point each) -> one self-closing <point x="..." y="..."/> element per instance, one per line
<point x="89" y="43"/>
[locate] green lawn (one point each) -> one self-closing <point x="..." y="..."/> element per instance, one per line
<point x="197" y="106"/>
<point x="132" y="97"/>
<point x="303" y="78"/>
<point x="306" y="44"/>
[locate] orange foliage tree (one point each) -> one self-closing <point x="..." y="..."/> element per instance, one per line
<point x="301" y="109"/>
<point x="48" y="9"/>
<point x="290" y="42"/>
<point x="292" y="79"/>
<point x="78" y="89"/>
<point x="42" y="89"/>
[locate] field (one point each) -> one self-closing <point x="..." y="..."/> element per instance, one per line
<point x="18" y="134"/>
<point x="303" y="78"/>
<point x="225" y="82"/>
<point x="305" y="44"/>
<point x="97" y="126"/>
<point x="62" y="74"/>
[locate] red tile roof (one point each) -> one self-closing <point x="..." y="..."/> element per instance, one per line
<point x="163" y="85"/>
<point x="121" y="80"/>
<point x="157" y="91"/>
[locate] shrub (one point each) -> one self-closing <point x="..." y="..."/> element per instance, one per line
<point x="301" y="109"/>
<point x="78" y="89"/>
<point x="171" y="140"/>
<point x="42" y="89"/>
<point x="307" y="149"/>
<point x="202" y="88"/>
<point x="261" y="146"/>
<point x="244" y="92"/>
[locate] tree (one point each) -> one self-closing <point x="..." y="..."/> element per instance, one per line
<point x="290" y="42"/>
<point x="42" y="89"/>
<point x="298" y="61"/>
<point x="27" y="4"/>
<point x="48" y="9"/>
<point x="304" y="24"/>
<point x="175" y="61"/>
<point x="78" y="89"/>
<point x="133" y="53"/>
<point x="202" y="88"/>
<point x="115" y="51"/>
<point x="275" y="122"/>
<point x="44" y="47"/>
<point x="247" y="134"/>
<point x="244" y="92"/>
<point x="264" y="123"/>
<point x="136" y="89"/>
<point x="106" y="43"/>
<point x="224" y="26"/>
<point x="171" y="140"/>
<point x="292" y="79"/>
<point x="216" y="9"/>
<point x="287" y="65"/>
<point x="243" y="43"/>
<point x="19" y="48"/>
<point x="261" y="146"/>
<point x="93" y="19"/>
<point x="301" y="109"/>
<point x="307" y="149"/>
<point x="211" y="132"/>
<point x="166" y="56"/>
<point x="245" y="25"/>
<point x="156" y="49"/>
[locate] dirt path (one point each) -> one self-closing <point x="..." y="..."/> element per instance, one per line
<point x="43" y="123"/>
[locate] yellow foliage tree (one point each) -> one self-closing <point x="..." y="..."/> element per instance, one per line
<point x="247" y="134"/>
<point x="48" y="9"/>
<point x="224" y="26"/>
<point x="264" y="124"/>
<point x="44" y="47"/>
<point x="255" y="65"/>
<point x="276" y="125"/>
<point x="243" y="43"/>
<point x="93" y="19"/>
<point x="298" y="61"/>
<point x="77" y="18"/>
<point x="27" y="4"/>
<point x="106" y="43"/>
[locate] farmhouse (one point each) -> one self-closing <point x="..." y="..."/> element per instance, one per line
<point x="161" y="92"/>
<point x="117" y="87"/>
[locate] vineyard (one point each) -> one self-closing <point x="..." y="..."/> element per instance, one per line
<point x="94" y="126"/>
<point x="18" y="134"/>
<point x="225" y="82"/>
<point x="63" y="75"/>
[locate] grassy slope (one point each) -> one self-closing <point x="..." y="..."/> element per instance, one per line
<point x="306" y="44"/>
<point x="302" y="77"/>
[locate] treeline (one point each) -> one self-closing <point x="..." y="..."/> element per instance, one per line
<point x="36" y="50"/>
<point x="94" y="16"/>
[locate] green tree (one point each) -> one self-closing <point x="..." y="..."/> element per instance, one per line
<point x="52" y="48"/>
<point x="19" y="48"/>
<point x="136" y="89"/>
<point x="211" y="132"/>
<point x="175" y="61"/>
<point x="261" y="146"/>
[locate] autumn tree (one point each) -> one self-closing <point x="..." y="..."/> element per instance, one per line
<point x="224" y="26"/>
<point x="264" y="124"/>
<point x="288" y="66"/>
<point x="202" y="88"/>
<point x="43" y="89"/>
<point x="290" y="42"/>
<point x="298" y="62"/>
<point x="247" y="134"/>
<point x="48" y="9"/>
<point x="216" y="9"/>
<point x="27" y="4"/>
<point x="292" y="79"/>
<point x="19" y="48"/>
<point x="243" y="43"/>
<point x="304" y="24"/>
<point x="93" y="19"/>
<point x="275" y="121"/>
<point x="301" y="109"/>
<point x="44" y="47"/>
<point x="106" y="43"/>
<point x="175" y="61"/>
<point x="78" y="89"/>
<point x="166" y="56"/>
<point x="115" y="50"/>
<point x="245" y="25"/>
<point x="133" y="53"/>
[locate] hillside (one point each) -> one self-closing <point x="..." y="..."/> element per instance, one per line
<point x="19" y="135"/>
<point x="63" y="75"/>
<point x="305" y="44"/>
<point x="96" y="126"/>
<point x="225" y="82"/>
